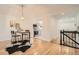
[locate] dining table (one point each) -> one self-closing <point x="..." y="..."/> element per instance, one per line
<point x="26" y="32"/>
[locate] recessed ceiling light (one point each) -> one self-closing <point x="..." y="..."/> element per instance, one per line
<point x="62" y="13"/>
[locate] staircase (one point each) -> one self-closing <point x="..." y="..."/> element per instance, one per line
<point x="69" y="38"/>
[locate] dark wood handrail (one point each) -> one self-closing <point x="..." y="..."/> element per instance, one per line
<point x="70" y="32"/>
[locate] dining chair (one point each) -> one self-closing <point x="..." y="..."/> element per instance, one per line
<point x="26" y="37"/>
<point x="15" y="37"/>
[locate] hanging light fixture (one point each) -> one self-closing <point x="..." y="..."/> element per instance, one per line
<point x="22" y="15"/>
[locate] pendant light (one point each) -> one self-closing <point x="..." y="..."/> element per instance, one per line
<point x="22" y="15"/>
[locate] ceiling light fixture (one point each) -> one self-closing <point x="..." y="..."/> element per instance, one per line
<point x="22" y="15"/>
<point x="62" y="13"/>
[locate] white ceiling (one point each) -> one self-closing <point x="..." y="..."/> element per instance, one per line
<point x="52" y="9"/>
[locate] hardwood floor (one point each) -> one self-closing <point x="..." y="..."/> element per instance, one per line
<point x="40" y="47"/>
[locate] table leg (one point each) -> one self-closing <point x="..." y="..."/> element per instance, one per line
<point x="22" y="37"/>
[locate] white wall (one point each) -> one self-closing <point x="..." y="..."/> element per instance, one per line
<point x="4" y="30"/>
<point x="66" y="23"/>
<point x="52" y="26"/>
<point x="31" y="16"/>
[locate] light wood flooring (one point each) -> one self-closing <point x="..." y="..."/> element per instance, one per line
<point x="40" y="47"/>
